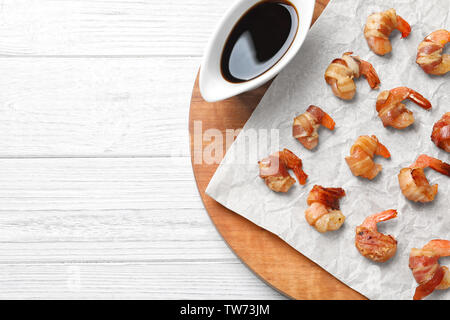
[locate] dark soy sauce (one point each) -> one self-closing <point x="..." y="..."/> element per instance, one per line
<point x="259" y="40"/>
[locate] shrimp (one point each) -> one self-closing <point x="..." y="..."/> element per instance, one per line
<point x="373" y="244"/>
<point x="414" y="183"/>
<point x="361" y="155"/>
<point x="323" y="212"/>
<point x="441" y="133"/>
<point x="379" y="27"/>
<point x="429" y="53"/>
<point x="306" y="125"/>
<point x="424" y="264"/>
<point x="340" y="74"/>
<point x="394" y="113"/>
<point x="273" y="170"/>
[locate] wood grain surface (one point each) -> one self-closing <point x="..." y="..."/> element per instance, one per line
<point x="98" y="198"/>
<point x="123" y="28"/>
<point x="263" y="252"/>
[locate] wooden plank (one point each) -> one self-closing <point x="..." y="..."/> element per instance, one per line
<point x="104" y="107"/>
<point x="114" y="27"/>
<point x="112" y="228"/>
<point x="201" y="280"/>
<point x="97" y="184"/>
<point x="104" y="210"/>
<point x="182" y="249"/>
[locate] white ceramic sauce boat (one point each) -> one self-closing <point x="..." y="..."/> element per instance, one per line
<point x="213" y="86"/>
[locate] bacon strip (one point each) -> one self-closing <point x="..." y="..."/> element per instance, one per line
<point x="423" y="267"/>
<point x="306" y="125"/>
<point x="428" y="287"/>
<point x="341" y="72"/>
<point x="429" y="53"/>
<point x="441" y="132"/>
<point x="378" y="28"/>
<point x="327" y="196"/>
<point x="361" y="156"/>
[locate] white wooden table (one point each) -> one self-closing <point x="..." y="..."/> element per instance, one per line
<point x="97" y="195"/>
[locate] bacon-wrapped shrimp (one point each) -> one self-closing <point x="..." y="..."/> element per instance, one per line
<point x="372" y="244"/>
<point x="429" y="53"/>
<point x="424" y="264"/>
<point x="414" y="183"/>
<point x="393" y="112"/>
<point x="379" y="27"/>
<point x="340" y="74"/>
<point x="323" y="212"/>
<point x="273" y="170"/>
<point x="441" y="132"/>
<point x="361" y="156"/>
<point x="307" y="124"/>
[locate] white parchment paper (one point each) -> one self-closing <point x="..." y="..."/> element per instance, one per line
<point x="237" y="186"/>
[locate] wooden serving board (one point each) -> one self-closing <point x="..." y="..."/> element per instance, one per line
<point x="264" y="253"/>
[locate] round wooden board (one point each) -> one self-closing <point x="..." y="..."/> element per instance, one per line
<point x="264" y="253"/>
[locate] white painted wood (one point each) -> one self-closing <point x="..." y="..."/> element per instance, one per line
<point x="112" y="27"/>
<point x="104" y="184"/>
<point x="97" y="195"/>
<point x="95" y="106"/>
<point x="125" y="219"/>
<point x="158" y="280"/>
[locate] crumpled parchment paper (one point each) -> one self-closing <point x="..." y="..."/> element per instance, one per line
<point x="237" y="186"/>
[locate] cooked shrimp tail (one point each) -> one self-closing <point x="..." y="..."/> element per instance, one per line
<point x="393" y="112"/>
<point x="373" y="244"/>
<point x="368" y="71"/>
<point x="424" y="161"/>
<point x="439" y="247"/>
<point x="382" y="150"/>
<point x="371" y="221"/>
<point x="419" y="99"/>
<point x="300" y="174"/>
<point x="429" y="53"/>
<point x="321" y="117"/>
<point x="293" y="162"/>
<point x="424" y="264"/>
<point x="327" y="121"/>
<point x="403" y="27"/>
